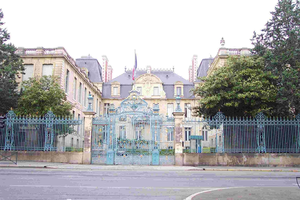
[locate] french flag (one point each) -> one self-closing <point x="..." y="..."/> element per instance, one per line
<point x="134" y="69"/>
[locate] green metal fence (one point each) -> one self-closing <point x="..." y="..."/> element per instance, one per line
<point x="47" y="133"/>
<point x="260" y="134"/>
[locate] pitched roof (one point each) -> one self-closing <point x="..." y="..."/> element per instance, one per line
<point x="203" y="67"/>
<point x="168" y="78"/>
<point x="93" y="66"/>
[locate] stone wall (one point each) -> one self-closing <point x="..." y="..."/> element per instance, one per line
<point x="243" y="159"/>
<point x="51" y="156"/>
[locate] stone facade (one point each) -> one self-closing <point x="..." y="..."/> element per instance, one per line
<point x="72" y="79"/>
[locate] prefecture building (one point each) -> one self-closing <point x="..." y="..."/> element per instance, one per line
<point x="157" y="88"/>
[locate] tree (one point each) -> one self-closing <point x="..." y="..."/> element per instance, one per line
<point x="41" y="95"/>
<point x="240" y="88"/>
<point x="279" y="45"/>
<point x="10" y="67"/>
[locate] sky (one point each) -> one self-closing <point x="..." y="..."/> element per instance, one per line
<point x="164" y="33"/>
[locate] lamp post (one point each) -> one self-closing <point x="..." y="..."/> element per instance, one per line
<point x="90" y="103"/>
<point x="178" y="109"/>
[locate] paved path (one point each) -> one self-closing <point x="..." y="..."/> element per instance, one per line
<point x="138" y="182"/>
<point x="26" y="164"/>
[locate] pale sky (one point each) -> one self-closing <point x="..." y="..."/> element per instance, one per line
<point x="164" y="33"/>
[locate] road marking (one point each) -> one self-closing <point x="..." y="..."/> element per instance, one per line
<point x="96" y="187"/>
<point x="210" y="190"/>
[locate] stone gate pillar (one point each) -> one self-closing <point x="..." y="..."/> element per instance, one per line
<point x="88" y="124"/>
<point x="178" y="137"/>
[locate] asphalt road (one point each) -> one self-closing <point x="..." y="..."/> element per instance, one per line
<point x="19" y="183"/>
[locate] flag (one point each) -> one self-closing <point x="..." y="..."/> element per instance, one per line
<point x="134" y="69"/>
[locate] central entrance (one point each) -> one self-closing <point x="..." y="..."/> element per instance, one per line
<point x="131" y="135"/>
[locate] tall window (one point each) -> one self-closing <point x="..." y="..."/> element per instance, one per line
<point x="97" y="107"/>
<point x="139" y="89"/>
<point x="178" y="90"/>
<point x="155" y="91"/>
<point x="138" y="135"/>
<point x="73" y="114"/>
<point x="170" y="131"/>
<point x="187" y="132"/>
<point x="47" y="70"/>
<point x="106" y="109"/>
<point x="78" y="127"/>
<point x="67" y="81"/>
<point x="85" y="93"/>
<point x="122" y="132"/>
<point x="28" y="72"/>
<point x="79" y="92"/>
<point x="187" y="110"/>
<point x="75" y="88"/>
<point x="72" y="142"/>
<point x="204" y="134"/>
<point x="170" y="109"/>
<point x="115" y="90"/>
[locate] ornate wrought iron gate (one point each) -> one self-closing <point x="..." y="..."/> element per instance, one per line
<point x="132" y="134"/>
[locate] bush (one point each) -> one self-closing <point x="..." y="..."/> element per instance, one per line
<point x="72" y="149"/>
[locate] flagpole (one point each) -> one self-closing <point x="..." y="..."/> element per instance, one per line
<point x="134" y="71"/>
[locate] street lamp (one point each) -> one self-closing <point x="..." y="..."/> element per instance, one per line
<point x="178" y="109"/>
<point x="90" y="103"/>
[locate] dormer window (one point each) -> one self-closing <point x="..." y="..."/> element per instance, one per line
<point x="155" y="91"/>
<point x="115" y="91"/>
<point x="178" y="91"/>
<point x="139" y="89"/>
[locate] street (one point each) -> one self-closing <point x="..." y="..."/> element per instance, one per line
<point x="67" y="184"/>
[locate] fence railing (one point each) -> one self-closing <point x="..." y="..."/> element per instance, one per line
<point x="47" y="133"/>
<point x="260" y="134"/>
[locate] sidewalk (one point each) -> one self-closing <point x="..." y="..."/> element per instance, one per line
<point x="28" y="164"/>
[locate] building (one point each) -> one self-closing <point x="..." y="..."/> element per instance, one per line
<point x="72" y="79"/>
<point x="207" y="68"/>
<point x="223" y="54"/>
<point x="106" y="70"/>
<point x="86" y="76"/>
<point x="193" y="69"/>
<point x="154" y="86"/>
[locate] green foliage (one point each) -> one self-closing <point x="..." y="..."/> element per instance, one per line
<point x="279" y="44"/>
<point x="10" y="66"/>
<point x="41" y="95"/>
<point x="167" y="152"/>
<point x="73" y="149"/>
<point x="240" y="88"/>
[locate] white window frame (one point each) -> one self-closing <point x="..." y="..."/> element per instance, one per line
<point x="187" y="133"/>
<point x="28" y="76"/>
<point x="155" y="90"/>
<point x="45" y="70"/>
<point x="178" y="91"/>
<point x="85" y="96"/>
<point x="115" y="90"/>
<point x="122" y="132"/>
<point x="67" y="81"/>
<point x="170" y="109"/>
<point x="170" y="134"/>
<point x="140" y="90"/>
<point x="80" y="93"/>
<point x="187" y="110"/>
<point x="75" y="88"/>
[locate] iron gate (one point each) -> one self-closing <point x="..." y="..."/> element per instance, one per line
<point x="133" y="134"/>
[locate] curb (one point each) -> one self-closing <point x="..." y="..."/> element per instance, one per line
<point x="199" y="169"/>
<point x="249" y="170"/>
